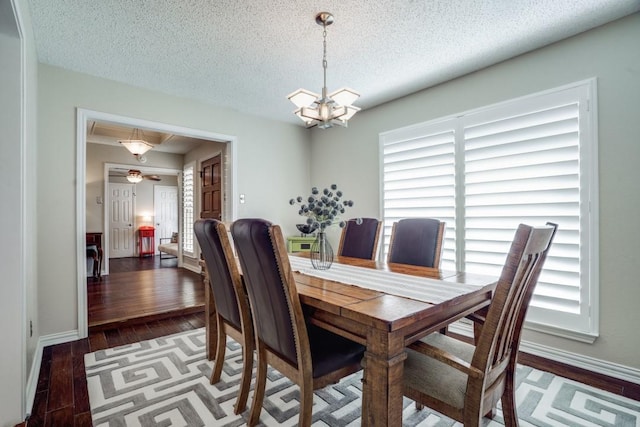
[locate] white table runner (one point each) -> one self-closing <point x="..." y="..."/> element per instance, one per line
<point x="419" y="288"/>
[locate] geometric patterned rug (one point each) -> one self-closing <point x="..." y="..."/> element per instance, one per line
<point x="165" y="382"/>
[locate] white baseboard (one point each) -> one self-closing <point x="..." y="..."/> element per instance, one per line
<point x="194" y="268"/>
<point x="592" y="364"/>
<point x="610" y="369"/>
<point x="34" y="373"/>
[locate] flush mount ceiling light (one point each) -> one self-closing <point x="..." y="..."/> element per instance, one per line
<point x="325" y="110"/>
<point x="136" y="144"/>
<point x="134" y="176"/>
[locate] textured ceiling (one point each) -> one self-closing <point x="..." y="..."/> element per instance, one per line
<point x="249" y="55"/>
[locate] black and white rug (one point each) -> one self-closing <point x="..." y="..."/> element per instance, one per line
<point x="165" y="382"/>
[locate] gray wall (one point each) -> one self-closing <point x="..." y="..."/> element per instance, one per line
<point x="269" y="153"/>
<point x="612" y="54"/>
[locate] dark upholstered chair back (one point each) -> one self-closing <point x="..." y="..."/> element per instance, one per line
<point x="308" y="355"/>
<point x="360" y="241"/>
<point x="218" y="269"/>
<point x="232" y="314"/>
<point x="417" y="241"/>
<point x="265" y="287"/>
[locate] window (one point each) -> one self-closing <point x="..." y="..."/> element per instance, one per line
<point x="529" y="160"/>
<point x="188" y="206"/>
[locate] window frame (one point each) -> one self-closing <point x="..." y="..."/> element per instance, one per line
<point x="586" y="326"/>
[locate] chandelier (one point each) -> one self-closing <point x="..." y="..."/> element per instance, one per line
<point x="137" y="145"/>
<point x="325" y="110"/>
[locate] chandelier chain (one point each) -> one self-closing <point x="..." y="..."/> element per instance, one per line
<point x="324" y="60"/>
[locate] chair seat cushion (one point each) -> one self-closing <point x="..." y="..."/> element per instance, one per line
<point x="330" y="352"/>
<point x="437" y="379"/>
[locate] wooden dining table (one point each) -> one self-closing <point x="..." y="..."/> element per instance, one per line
<point x="384" y="323"/>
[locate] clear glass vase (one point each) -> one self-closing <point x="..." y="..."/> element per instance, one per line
<point x="321" y="252"/>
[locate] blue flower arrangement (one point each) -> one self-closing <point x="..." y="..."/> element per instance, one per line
<point x="323" y="208"/>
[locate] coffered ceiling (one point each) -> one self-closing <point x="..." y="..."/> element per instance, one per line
<point x="249" y="55"/>
<point x="110" y="133"/>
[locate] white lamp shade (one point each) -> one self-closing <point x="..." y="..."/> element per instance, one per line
<point x="345" y="96"/>
<point x="338" y="112"/>
<point x="134" y="176"/>
<point x="351" y="110"/>
<point x="306" y="120"/>
<point x="303" y="98"/>
<point x="137" y="147"/>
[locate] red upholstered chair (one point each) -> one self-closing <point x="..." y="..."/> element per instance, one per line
<point x="308" y="355"/>
<point x="476" y="377"/>
<point x="233" y="315"/>
<point x="416" y="241"/>
<point x="360" y="240"/>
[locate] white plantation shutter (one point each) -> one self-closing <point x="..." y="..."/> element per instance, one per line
<point x="188" y="192"/>
<point x="529" y="160"/>
<point x="419" y="180"/>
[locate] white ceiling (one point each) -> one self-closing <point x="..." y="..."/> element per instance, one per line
<point x="249" y="55"/>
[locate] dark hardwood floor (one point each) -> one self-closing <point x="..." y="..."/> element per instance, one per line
<point x="61" y="395"/>
<point x="140" y="288"/>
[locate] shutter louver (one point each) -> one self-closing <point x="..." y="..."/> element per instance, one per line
<point x="419" y="181"/>
<point x="188" y="210"/>
<point x="525" y="169"/>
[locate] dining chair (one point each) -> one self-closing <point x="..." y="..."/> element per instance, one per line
<point x="360" y="240"/>
<point x="233" y="315"/>
<point x="416" y="241"/>
<point x="477" y="377"/>
<point x="308" y="355"/>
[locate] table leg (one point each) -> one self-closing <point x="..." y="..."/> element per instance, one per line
<point x="210" y="324"/>
<point x="382" y="380"/>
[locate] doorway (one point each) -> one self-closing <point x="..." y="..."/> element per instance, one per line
<point x="165" y="211"/>
<point x="84" y="117"/>
<point x="121" y="222"/>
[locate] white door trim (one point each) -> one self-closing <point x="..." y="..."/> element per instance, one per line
<point x="82" y="117"/>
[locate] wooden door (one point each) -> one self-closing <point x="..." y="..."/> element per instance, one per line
<point x="212" y="188"/>
<point x="121" y="235"/>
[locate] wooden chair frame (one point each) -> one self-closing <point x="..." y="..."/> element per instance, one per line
<point x="491" y="371"/>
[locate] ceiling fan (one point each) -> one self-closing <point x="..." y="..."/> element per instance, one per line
<point x="133" y="175"/>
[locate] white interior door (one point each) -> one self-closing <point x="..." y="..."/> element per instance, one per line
<point x="121" y="235"/>
<point x="165" y="201"/>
